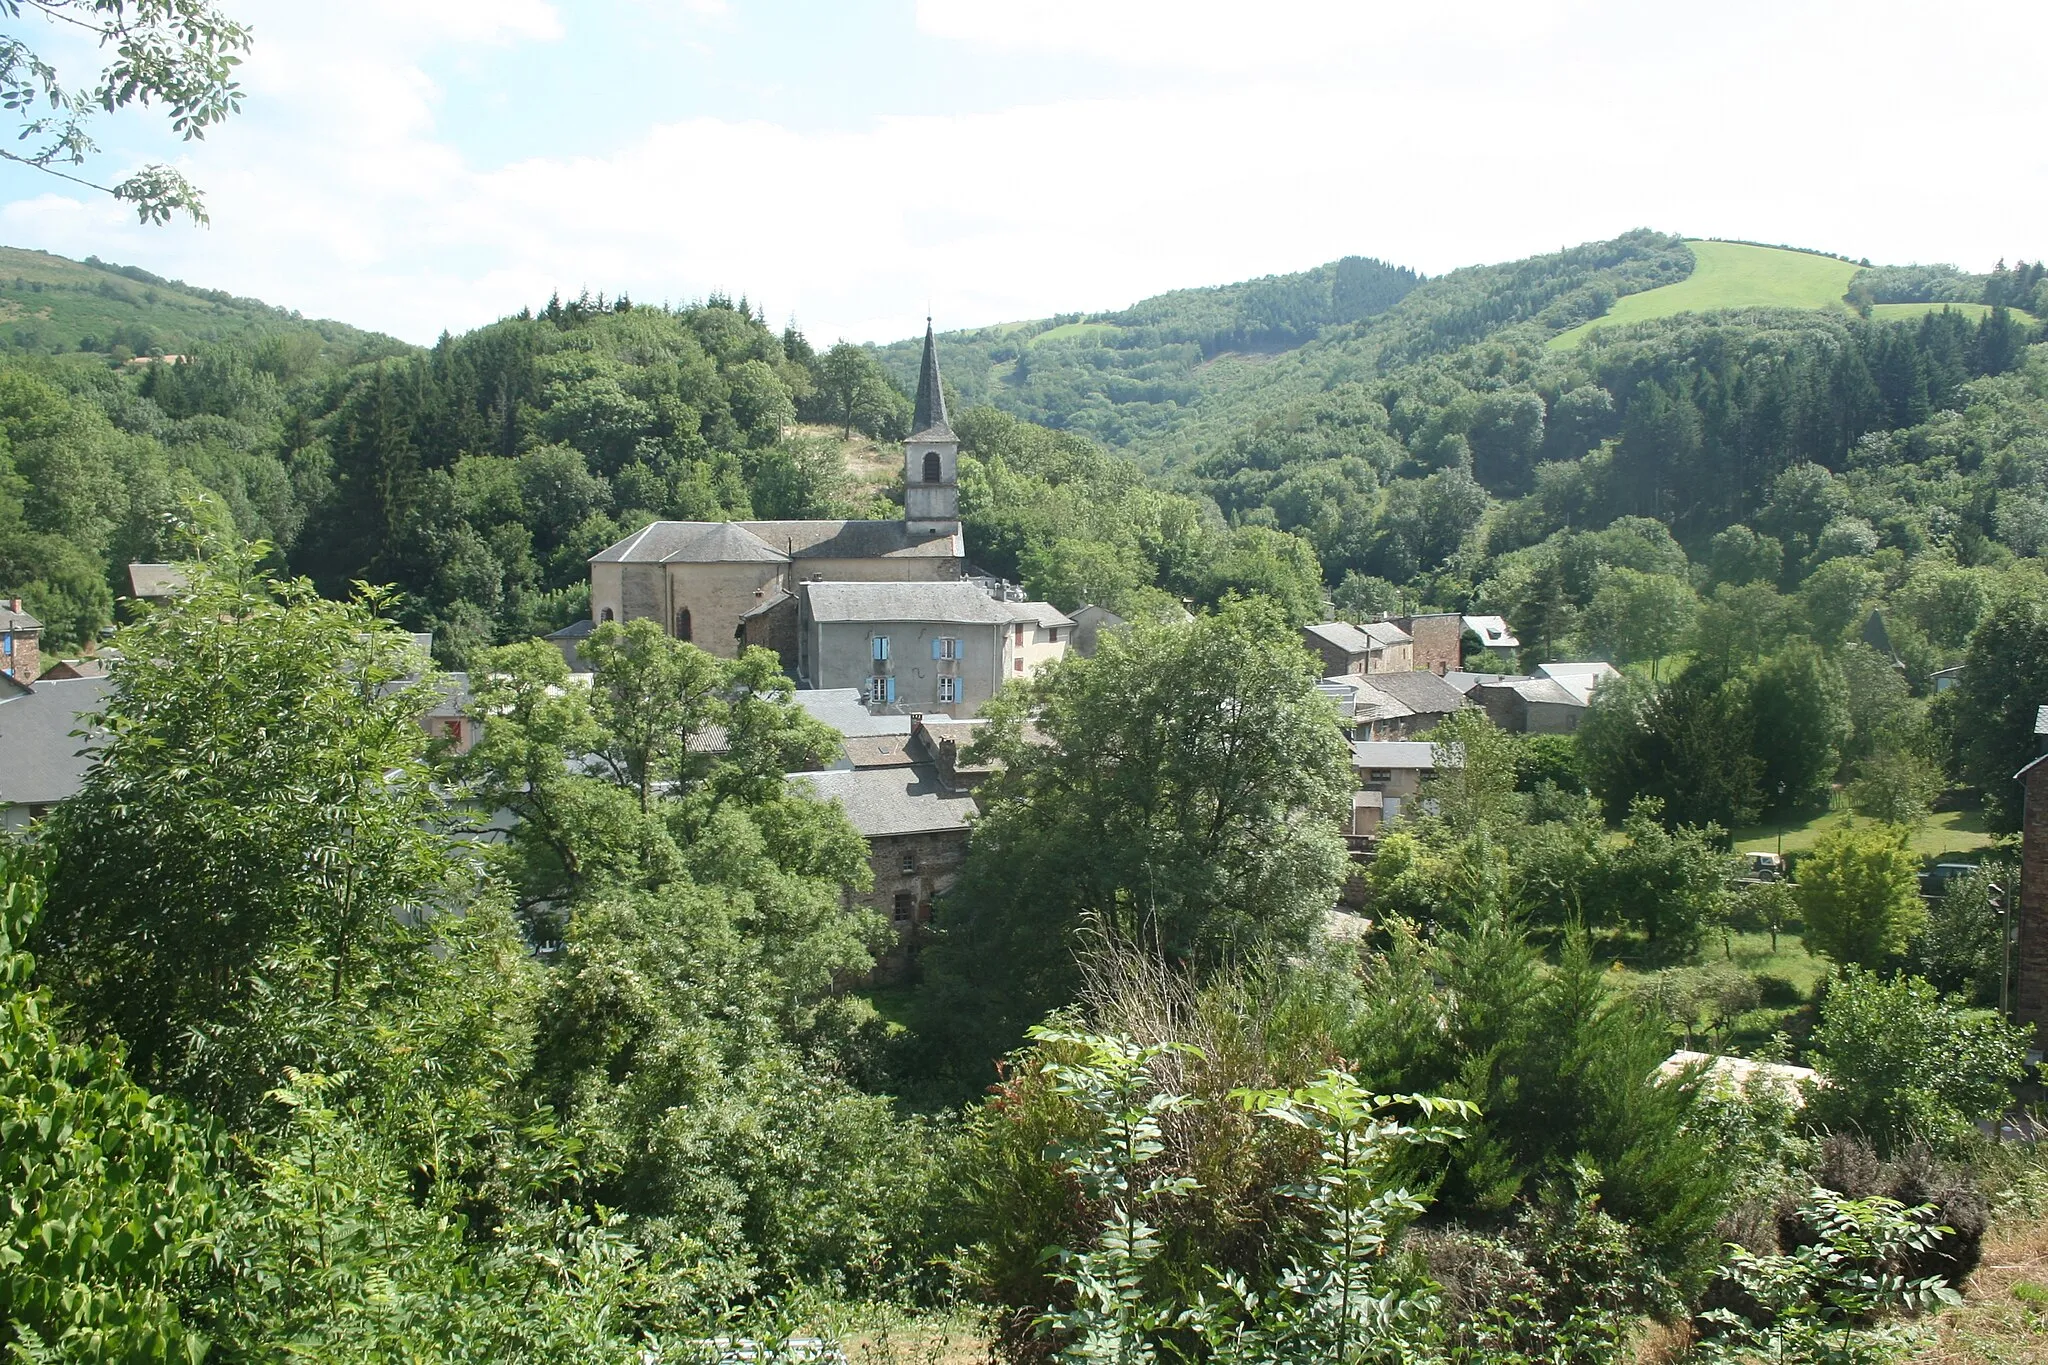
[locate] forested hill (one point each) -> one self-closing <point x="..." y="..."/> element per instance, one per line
<point x="50" y="305"/>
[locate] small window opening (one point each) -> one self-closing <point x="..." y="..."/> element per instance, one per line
<point x="931" y="466"/>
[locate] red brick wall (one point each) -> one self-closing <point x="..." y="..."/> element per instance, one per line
<point x="2030" y="954"/>
<point x="26" y="663"/>
<point x="1439" y="641"/>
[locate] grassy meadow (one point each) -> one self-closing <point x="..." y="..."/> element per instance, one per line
<point x="1732" y="275"/>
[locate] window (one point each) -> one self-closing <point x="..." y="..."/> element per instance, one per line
<point x="1019" y="636"/>
<point x="931" y="466"/>
<point x="945" y="647"/>
<point x="880" y="646"/>
<point x="1017" y="665"/>
<point x="682" y="623"/>
<point x="909" y="865"/>
<point x="607" y="615"/>
<point x="949" y="690"/>
<point x="905" y="906"/>
<point x="1055" y="636"/>
<point x="1382" y="775"/>
<point x="881" y="690"/>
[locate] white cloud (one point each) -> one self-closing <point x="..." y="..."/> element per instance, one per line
<point x="337" y="195"/>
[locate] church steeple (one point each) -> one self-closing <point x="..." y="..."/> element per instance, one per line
<point x="928" y="419"/>
<point x="931" y="495"/>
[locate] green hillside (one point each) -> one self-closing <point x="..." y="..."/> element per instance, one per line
<point x="50" y="305"/>
<point x="1730" y="275"/>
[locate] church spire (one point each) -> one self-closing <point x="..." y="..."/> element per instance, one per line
<point x="929" y="417"/>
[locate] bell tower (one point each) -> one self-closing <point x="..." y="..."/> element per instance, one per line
<point x="931" y="457"/>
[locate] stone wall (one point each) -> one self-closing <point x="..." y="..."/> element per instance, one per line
<point x="23" y="661"/>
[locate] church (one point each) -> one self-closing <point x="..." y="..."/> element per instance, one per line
<point x="815" y="592"/>
<point x="726" y="584"/>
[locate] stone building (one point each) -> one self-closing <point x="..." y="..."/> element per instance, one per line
<point x="722" y="584"/>
<point x="21" y="643"/>
<point x="2030" y="951"/>
<point x="926" y="647"/>
<point x="1371" y="647"/>
<point x="916" y="828"/>
<point x="1530" y="706"/>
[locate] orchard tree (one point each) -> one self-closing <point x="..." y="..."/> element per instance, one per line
<point x="1859" y="893"/>
<point x="180" y="54"/>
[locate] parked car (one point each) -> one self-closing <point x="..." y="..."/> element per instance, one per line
<point x="1765" y="867"/>
<point x="1934" y="881"/>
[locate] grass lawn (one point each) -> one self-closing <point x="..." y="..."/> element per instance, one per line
<point x="1951" y="831"/>
<point x="1727" y="275"/>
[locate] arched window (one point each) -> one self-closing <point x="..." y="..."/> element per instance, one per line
<point x="931" y="466"/>
<point x="607" y="615"/>
<point x="682" y="623"/>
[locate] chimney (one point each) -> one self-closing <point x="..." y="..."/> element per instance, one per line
<point x="14" y="603"/>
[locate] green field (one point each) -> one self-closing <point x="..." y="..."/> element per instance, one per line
<point x="1074" y="331"/>
<point x="1900" y="312"/>
<point x="1949" y="831"/>
<point x="50" y="305"/>
<point x="1730" y="275"/>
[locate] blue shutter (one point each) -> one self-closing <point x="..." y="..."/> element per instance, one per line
<point x="935" y="646"/>
<point x="892" y="690"/>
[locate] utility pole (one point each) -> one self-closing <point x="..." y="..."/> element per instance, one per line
<point x="2001" y="903"/>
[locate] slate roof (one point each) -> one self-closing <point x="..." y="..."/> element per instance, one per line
<point x="1358" y="698"/>
<point x="10" y="619"/>
<point x="842" y="709"/>
<point x="691" y="542"/>
<point x="877" y="751"/>
<point x="1465" y="682"/>
<point x="1580" y="679"/>
<point x="1393" y="753"/>
<point x="767" y="604"/>
<point x="2041" y="721"/>
<point x="855" y="540"/>
<point x="957" y="601"/>
<point x="886" y="801"/>
<point x="1542" y="691"/>
<point x="575" y="630"/>
<point x="1044" y="613"/>
<point x="1422" y="692"/>
<point x="155" y="580"/>
<point x="928" y="414"/>
<point x="1342" y="635"/>
<point x="40" y="760"/>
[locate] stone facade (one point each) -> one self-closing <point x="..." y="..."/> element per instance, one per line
<point x="2030" y="953"/>
<point x="911" y="872"/>
<point x="21" y="643"/>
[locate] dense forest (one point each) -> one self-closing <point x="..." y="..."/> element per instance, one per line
<point x="295" y="1074"/>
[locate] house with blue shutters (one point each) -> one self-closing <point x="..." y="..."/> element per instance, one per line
<point x="941" y="648"/>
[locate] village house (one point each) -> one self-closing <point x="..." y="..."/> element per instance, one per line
<point x="723" y="585"/>
<point x="1529" y="706"/>
<point x="916" y="829"/>
<point x="21" y="643"/>
<point x="1357" y="650"/>
<point x="1390" y="775"/>
<point x="1439" y="638"/>
<point x="42" y="761"/>
<point x="1090" y="621"/>
<point x="155" y="583"/>
<point x="939" y="647"/>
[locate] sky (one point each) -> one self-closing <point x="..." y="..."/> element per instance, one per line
<point x="415" y="166"/>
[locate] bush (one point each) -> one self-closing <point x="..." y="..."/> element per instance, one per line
<point x="1859" y="895"/>
<point x="1902" y="1062"/>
